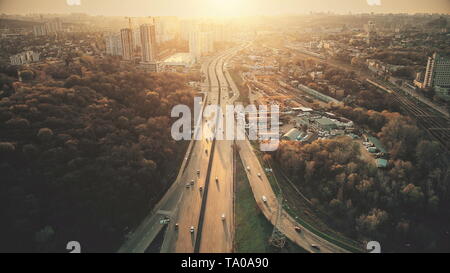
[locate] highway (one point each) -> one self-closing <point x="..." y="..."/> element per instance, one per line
<point x="169" y="205"/>
<point x="261" y="187"/>
<point x="146" y="232"/>
<point x="188" y="206"/>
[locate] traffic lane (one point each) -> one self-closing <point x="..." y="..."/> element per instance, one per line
<point x="147" y="231"/>
<point x="189" y="206"/>
<point x="261" y="187"/>
<point x="217" y="233"/>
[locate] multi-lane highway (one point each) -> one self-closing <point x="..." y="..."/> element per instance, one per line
<point x="187" y="205"/>
<point x="213" y="219"/>
<point x="200" y="202"/>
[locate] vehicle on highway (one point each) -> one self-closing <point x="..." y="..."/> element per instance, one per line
<point x="192" y="182"/>
<point x="206" y="151"/>
<point x="298" y="229"/>
<point x="164" y="221"/>
<point x="198" y="171"/>
<point x="315" y="246"/>
<point x="191" y="229"/>
<point x="259" y="175"/>
<point x="176" y="226"/>
<point x="188" y="185"/>
<point x="217" y="179"/>
<point x="222" y="217"/>
<point x="248" y="168"/>
<point x="264" y="199"/>
<point x="201" y="188"/>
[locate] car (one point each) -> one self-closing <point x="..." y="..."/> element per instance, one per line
<point x="264" y="198"/>
<point x="192" y="182"/>
<point x="188" y="185"/>
<point x="191" y="229"/>
<point x="298" y="229"/>
<point x="176" y="226"/>
<point x="248" y="168"/>
<point x="217" y="179"/>
<point x="164" y="221"/>
<point x="222" y="217"/>
<point x="198" y="171"/>
<point x="315" y="246"/>
<point x="201" y="188"/>
<point x="259" y="175"/>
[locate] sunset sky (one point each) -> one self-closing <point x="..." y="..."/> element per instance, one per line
<point x="220" y="7"/>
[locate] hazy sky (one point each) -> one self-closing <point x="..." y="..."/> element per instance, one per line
<point x="220" y="7"/>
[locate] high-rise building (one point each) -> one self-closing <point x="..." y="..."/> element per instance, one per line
<point x="222" y="33"/>
<point x="148" y="43"/>
<point x="126" y="36"/>
<point x="206" y="42"/>
<point x="113" y="45"/>
<point x="54" y="26"/>
<point x="136" y="39"/>
<point x="371" y="32"/>
<point x="194" y="45"/>
<point x="437" y="72"/>
<point x="51" y="27"/>
<point x="200" y="43"/>
<point x="39" y="30"/>
<point x="25" y="57"/>
<point x="437" y="76"/>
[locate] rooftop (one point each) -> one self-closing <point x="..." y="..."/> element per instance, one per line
<point x="179" y="59"/>
<point x="382" y="163"/>
<point x="293" y="134"/>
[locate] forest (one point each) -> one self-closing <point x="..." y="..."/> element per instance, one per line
<point x="405" y="206"/>
<point x="85" y="152"/>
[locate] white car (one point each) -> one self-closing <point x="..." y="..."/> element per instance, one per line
<point x="264" y="199"/>
<point x="248" y="168"/>
<point x="192" y="182"/>
<point x="198" y="171"/>
<point x="217" y="179"/>
<point x="315" y="246"/>
<point x="223" y="217"/>
<point x="259" y="175"/>
<point x="191" y="229"/>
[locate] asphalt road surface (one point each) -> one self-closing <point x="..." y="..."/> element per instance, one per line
<point x="188" y="206"/>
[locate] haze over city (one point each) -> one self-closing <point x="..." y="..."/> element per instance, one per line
<point x="225" y="126"/>
<point x="188" y="8"/>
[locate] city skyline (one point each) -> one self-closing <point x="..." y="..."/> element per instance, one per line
<point x="144" y="131"/>
<point x="206" y="8"/>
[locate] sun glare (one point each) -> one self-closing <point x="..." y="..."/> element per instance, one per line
<point x="227" y="7"/>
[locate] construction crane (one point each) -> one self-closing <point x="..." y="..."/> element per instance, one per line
<point x="130" y="26"/>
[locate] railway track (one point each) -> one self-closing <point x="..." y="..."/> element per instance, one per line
<point x="435" y="124"/>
